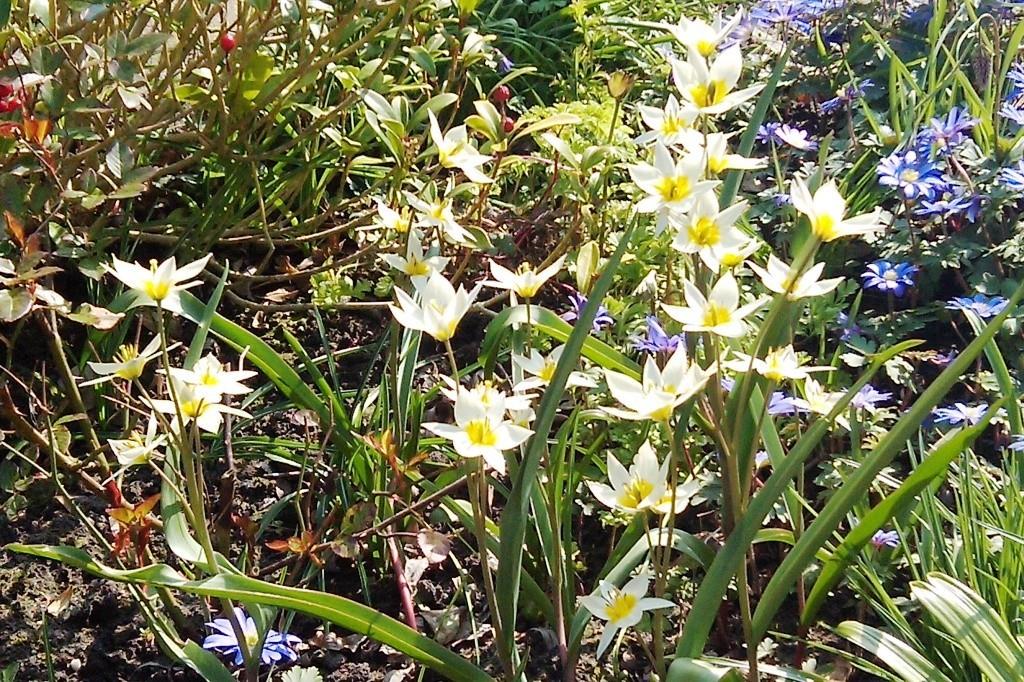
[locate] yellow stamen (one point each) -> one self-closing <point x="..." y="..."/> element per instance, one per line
<point x="479" y="432"/>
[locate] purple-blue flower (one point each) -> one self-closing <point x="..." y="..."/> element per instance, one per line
<point x="848" y="327"/>
<point x="885" y="539"/>
<point x="955" y="200"/>
<point x="1012" y="177"/>
<point x="657" y="340"/>
<point x="981" y="305"/>
<point x="846" y="95"/>
<point x="959" y="413"/>
<point x="911" y="173"/>
<point x="887" y="277"/>
<point x="1016" y="443"/>
<point x="505" y="65"/>
<point x="1013" y="112"/>
<point x="868" y="397"/>
<point x="277" y="646"/>
<point x="795" y="137"/>
<point x="944" y="134"/>
<point x="728" y="383"/>
<point x="780" y="403"/>
<point x="578" y="302"/>
<point x="768" y="132"/>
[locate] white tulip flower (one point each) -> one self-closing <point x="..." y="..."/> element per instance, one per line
<point x="661" y="390"/>
<point x="637" y="489"/>
<point x="213" y="379"/>
<point x="621" y="608"/>
<point x="481" y="430"/>
<point x="455" y="151"/>
<point x="714" y="147"/>
<point x="438" y="213"/>
<point x="710" y="88"/>
<point x="129" y="363"/>
<point x="720" y="313"/>
<point x="699" y="35"/>
<point x="524" y="281"/>
<point x="195" y="405"/>
<point x="437" y="309"/>
<point x="826" y="210"/>
<point x="705" y="227"/>
<point x="138" y="448"/>
<point x="780" y="278"/>
<point x="390" y="219"/>
<point x="542" y="370"/>
<point x="671" y="186"/>
<point x="416" y="264"/>
<point x="669" y="126"/>
<point x="160" y="284"/>
<point x="778" y="365"/>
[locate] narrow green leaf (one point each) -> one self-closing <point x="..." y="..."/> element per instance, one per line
<point x="903" y="659"/>
<point x="343" y="612"/>
<point x="936" y="464"/>
<point x="517" y="509"/>
<point x="878" y="458"/>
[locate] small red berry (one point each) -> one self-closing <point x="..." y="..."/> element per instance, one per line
<point x="228" y="42"/>
<point x="501" y="94"/>
<point x="508" y="123"/>
<point x="5" y="89"/>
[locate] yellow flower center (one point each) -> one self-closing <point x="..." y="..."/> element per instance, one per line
<point x="824" y="227"/>
<point x="479" y="432"/>
<point x="417" y="268"/>
<point x="252" y="639"/>
<point x="402" y="223"/>
<point x="909" y="175"/>
<point x="674" y="189"/>
<point x="671" y="125"/>
<point x="663" y="413"/>
<point x="547" y="372"/>
<point x="704" y="232"/>
<point x="732" y="259"/>
<point x="156" y="289"/>
<point x="717" y="164"/>
<point x="620" y="606"/>
<point x="635" y="492"/>
<point x="716" y="314"/>
<point x="706" y="47"/>
<point x="709" y="94"/>
<point x="194" y="408"/>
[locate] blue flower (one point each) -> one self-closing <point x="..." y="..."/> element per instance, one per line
<point x="657" y="341"/>
<point x="846" y="95"/>
<point x="761" y="459"/>
<point x="277" y="647"/>
<point x="885" y="539"/>
<point x="946" y="134"/>
<point x="885" y="276"/>
<point x="1016" y="443"/>
<point x="848" y="327"/>
<point x="1012" y="177"/>
<point x="728" y="383"/>
<point x="780" y="403"/>
<point x="868" y="397"/>
<point x="959" y="414"/>
<point x="981" y="305"/>
<point x="768" y="132"/>
<point x="910" y="173"/>
<point x="954" y="201"/>
<point x="578" y="301"/>
<point x="781" y="199"/>
<point x="795" y="137"/>
<point x="1013" y="112"/>
<point x="505" y="65"/>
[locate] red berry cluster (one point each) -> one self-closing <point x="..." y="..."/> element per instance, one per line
<point x="9" y="99"/>
<point x="501" y="95"/>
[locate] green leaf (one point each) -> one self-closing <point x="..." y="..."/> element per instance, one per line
<point x="343" y="612"/>
<point x="517" y="508"/>
<point x="552" y="325"/>
<point x="935" y="465"/>
<point x="895" y="653"/>
<point x="973" y="624"/>
<point x="205" y="663"/>
<point x="818" y="533"/>
<point x="732" y="555"/>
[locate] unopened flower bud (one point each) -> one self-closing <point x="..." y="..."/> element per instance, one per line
<point x="228" y="42"/>
<point x="501" y="94"/>
<point x="619" y="84"/>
